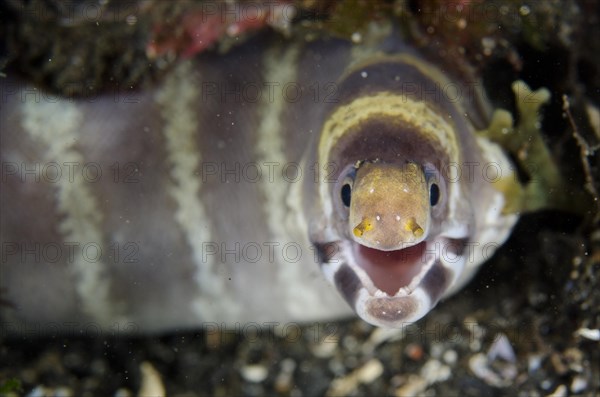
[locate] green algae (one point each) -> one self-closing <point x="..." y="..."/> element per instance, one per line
<point x="544" y="186"/>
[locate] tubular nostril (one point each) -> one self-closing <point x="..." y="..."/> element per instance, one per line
<point x="364" y="226"/>
<point x="411" y="225"/>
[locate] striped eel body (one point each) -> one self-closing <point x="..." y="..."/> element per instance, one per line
<point x="236" y="188"/>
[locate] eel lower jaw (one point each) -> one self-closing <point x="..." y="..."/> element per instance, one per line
<point x="394" y="288"/>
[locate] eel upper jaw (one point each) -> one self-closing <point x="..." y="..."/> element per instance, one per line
<point x="393" y="289"/>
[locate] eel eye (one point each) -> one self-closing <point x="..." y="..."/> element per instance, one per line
<point x="434" y="194"/>
<point x="346" y="194"/>
<point x="343" y="191"/>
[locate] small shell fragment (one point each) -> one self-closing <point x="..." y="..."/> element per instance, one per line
<point x="254" y="373"/>
<point x="152" y="384"/>
<point x="591" y="334"/>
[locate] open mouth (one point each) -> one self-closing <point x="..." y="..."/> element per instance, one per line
<point x="391" y="288"/>
<point x="391" y="270"/>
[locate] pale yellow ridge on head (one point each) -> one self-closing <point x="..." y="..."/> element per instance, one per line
<point x="414" y="115"/>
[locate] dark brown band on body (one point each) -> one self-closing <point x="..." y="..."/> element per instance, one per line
<point x="347" y="282"/>
<point x="436" y="281"/>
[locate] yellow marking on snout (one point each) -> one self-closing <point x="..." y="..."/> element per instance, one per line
<point x="411" y="225"/>
<point x="364" y="226"/>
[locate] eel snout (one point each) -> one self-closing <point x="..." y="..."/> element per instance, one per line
<point x="390" y="206"/>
